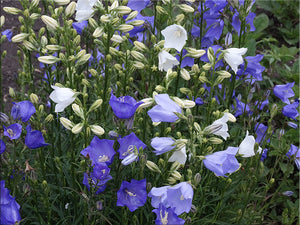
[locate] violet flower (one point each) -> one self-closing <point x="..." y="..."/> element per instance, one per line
<point x="284" y="92"/>
<point x="8" y="33"/>
<point x="132" y="194"/>
<point x="162" y="144"/>
<point x="2" y="146"/>
<point x="34" y="138"/>
<point x="158" y="196"/>
<point x="79" y="26"/>
<point x="164" y="110"/>
<point x="13" y="131"/>
<point x="138" y="5"/>
<point x="222" y="162"/>
<point x="123" y="107"/>
<point x="9" y="207"/>
<point x="100" y="151"/>
<point x="167" y="216"/>
<point x="291" y="110"/>
<point x="294" y="151"/>
<point x="261" y="131"/>
<point x="22" y="110"/>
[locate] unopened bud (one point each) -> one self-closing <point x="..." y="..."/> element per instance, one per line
<point x="11" y="92"/>
<point x="98" y="130"/>
<point x="19" y="37"/>
<point x="140" y="46"/>
<point x="161" y="10"/>
<point x="116" y="38"/>
<point x="137" y="23"/>
<point x="152" y="166"/>
<point x="50" y="22"/>
<point x="197" y="179"/>
<point x="138" y="65"/>
<point x="132" y="15"/>
<point x="188" y="104"/>
<point x="34" y="98"/>
<point x="78" y="110"/>
<point x="185" y="74"/>
<point x="49" y="59"/>
<point x="12" y="10"/>
<point x="215" y="140"/>
<point x="179" y="18"/>
<point x="186" y="8"/>
<point x="206" y="66"/>
<point x="98" y="32"/>
<point x="61" y="2"/>
<point x="2" y="21"/>
<point x="77" y="128"/>
<point x="68" y="124"/>
<point x="49" y="118"/>
<point x="147" y="102"/>
<point x="137" y="55"/>
<point x="171" y="180"/>
<point x="70" y="9"/>
<point x="123" y="10"/>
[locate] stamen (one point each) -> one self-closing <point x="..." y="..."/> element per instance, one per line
<point x="103" y="158"/>
<point x="164" y="220"/>
<point x="11" y="132"/>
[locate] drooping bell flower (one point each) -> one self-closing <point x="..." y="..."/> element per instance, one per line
<point x="233" y="57"/>
<point x="8" y="33"/>
<point x="22" y="110"/>
<point x="291" y="110"/>
<point x="13" y="131"/>
<point x="128" y="144"/>
<point x="84" y="9"/>
<point x="123" y="107"/>
<point x="158" y="196"/>
<point x="175" y="37"/>
<point x="162" y="144"/>
<point x="246" y="148"/>
<point x="63" y="97"/>
<point x="100" y="151"/>
<point x="261" y="130"/>
<point x="166" y="61"/>
<point x="219" y="127"/>
<point x="164" y="110"/>
<point x="222" y="162"/>
<point x="34" y="138"/>
<point x="9" y="207"/>
<point x="284" y="92"/>
<point x="179" y="156"/>
<point x="132" y="194"/>
<point x="167" y="216"/>
<point x="294" y="151"/>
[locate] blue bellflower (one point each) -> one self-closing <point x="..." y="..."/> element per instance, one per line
<point x="164" y="110"/>
<point x="128" y="144"/>
<point x="253" y="70"/>
<point x="123" y="107"/>
<point x="222" y="162"/>
<point x="9" y="207"/>
<point x="132" y="194"/>
<point x="2" y="146"/>
<point x="264" y="154"/>
<point x="291" y="110"/>
<point x="159" y="196"/>
<point x="13" y="131"/>
<point x="186" y="61"/>
<point x="284" y="92"/>
<point x="294" y="151"/>
<point x="162" y="144"/>
<point x="79" y="26"/>
<point x="166" y="216"/>
<point x="8" y="33"/>
<point x="22" y="110"/>
<point x="100" y="151"/>
<point x="34" y="138"/>
<point x="236" y="23"/>
<point x="261" y="131"/>
<point x="98" y="177"/>
<point x="180" y="197"/>
<point x="138" y="5"/>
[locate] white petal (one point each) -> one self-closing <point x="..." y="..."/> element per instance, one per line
<point x="246" y="148"/>
<point x="179" y="156"/>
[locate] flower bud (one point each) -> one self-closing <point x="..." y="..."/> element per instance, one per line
<point x="125" y="27"/>
<point x="19" y="37"/>
<point x="78" y="110"/>
<point x="137" y="55"/>
<point x="188" y="104"/>
<point x="147" y="102"/>
<point x="68" y="124"/>
<point x="83" y="59"/>
<point x="202" y="79"/>
<point x="179" y="18"/>
<point x="185" y="74"/>
<point x="41" y="108"/>
<point x="34" y="16"/>
<point x="197" y="127"/>
<point x="138" y="65"/>
<point x="161" y="10"/>
<point x="132" y="15"/>
<point x="176" y="175"/>
<point x="77" y="128"/>
<point x="61" y="2"/>
<point x="70" y="9"/>
<point x="50" y="22"/>
<point x="104" y="18"/>
<point x="152" y="166"/>
<point x="210" y="55"/>
<point x="28" y="45"/>
<point x="98" y="32"/>
<point x="215" y="140"/>
<point x="11" y="92"/>
<point x="96" y="129"/>
<point x="93" y="72"/>
<point x="175" y="166"/>
<point x="137" y="23"/>
<point x="2" y="21"/>
<point x="49" y="118"/>
<point x="197" y="179"/>
<point x="123" y="10"/>
<point x="231" y="117"/>
<point x="140" y="46"/>
<point x="186" y="8"/>
<point x="116" y="38"/>
<point x="34" y="98"/>
<point x="49" y="59"/>
<point x="12" y="10"/>
<point x="178" y="101"/>
<point x="206" y="66"/>
<point x="95" y="105"/>
<point x="224" y="74"/>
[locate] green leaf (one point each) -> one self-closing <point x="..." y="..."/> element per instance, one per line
<point x="261" y="22"/>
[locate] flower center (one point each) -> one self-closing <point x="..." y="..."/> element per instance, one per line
<point x="11" y="132"/>
<point x="178" y="33"/>
<point x="164" y="220"/>
<point x="129" y="193"/>
<point x="103" y="158"/>
<point x="130" y="149"/>
<point x="181" y="198"/>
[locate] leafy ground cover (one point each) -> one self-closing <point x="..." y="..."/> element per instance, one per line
<point x="150" y="112"/>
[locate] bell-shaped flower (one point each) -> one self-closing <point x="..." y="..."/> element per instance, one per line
<point x="98" y="177"/>
<point x="167" y="216"/>
<point x="22" y="110"/>
<point x="175" y="37"/>
<point x="166" y="61"/>
<point x="162" y="144"/>
<point x="233" y="57"/>
<point x="284" y="92"/>
<point x="9" y="207"/>
<point x="132" y="194"/>
<point x="79" y="26"/>
<point x="34" y="138"/>
<point x="13" y="131"/>
<point x="246" y="148"/>
<point x="128" y="144"/>
<point x="294" y="151"/>
<point x="219" y="127"/>
<point x="291" y="110"/>
<point x="100" y="151"/>
<point x="179" y="156"/>
<point x="84" y="9"/>
<point x="180" y="197"/>
<point x="123" y="107"/>
<point x="164" y="110"/>
<point x="158" y="196"/>
<point x="2" y="146"/>
<point x="63" y="97"/>
<point x="8" y="33"/>
<point x="222" y="162"/>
